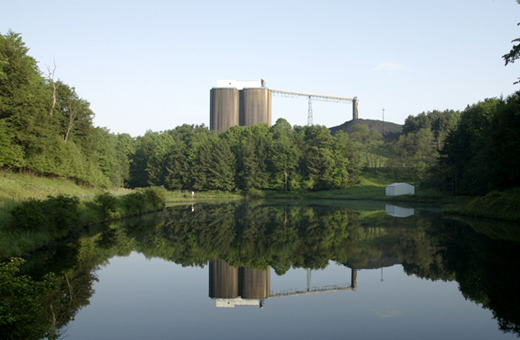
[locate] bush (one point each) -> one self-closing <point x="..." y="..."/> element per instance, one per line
<point x="147" y="199"/>
<point x="29" y="215"/>
<point x="155" y="197"/>
<point x="58" y="213"/>
<point x="21" y="313"/>
<point x="133" y="203"/>
<point x="108" y="203"/>
<point x="254" y="193"/>
<point x="61" y="211"/>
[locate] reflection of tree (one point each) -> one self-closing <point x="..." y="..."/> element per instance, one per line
<point x="486" y="272"/>
<point x="284" y="237"/>
<point x="246" y="235"/>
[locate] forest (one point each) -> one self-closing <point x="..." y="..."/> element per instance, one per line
<point x="46" y="128"/>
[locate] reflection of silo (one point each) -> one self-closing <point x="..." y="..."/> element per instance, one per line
<point x="224" y="109"/>
<point x="223" y="280"/>
<point x="255" y="284"/>
<point x="255" y="106"/>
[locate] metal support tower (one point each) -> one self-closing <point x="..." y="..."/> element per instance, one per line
<point x="310" y="96"/>
<point x="309" y="111"/>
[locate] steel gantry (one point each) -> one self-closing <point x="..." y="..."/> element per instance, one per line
<point x="322" y="97"/>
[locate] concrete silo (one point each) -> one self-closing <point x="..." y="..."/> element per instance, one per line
<point x="254" y="284"/>
<point x="224" y="109"/>
<point x="255" y="106"/>
<point x="223" y="280"/>
<point x="238" y="102"/>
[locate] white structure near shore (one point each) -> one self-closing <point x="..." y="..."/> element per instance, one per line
<point x="397" y="189"/>
<point x="395" y="211"/>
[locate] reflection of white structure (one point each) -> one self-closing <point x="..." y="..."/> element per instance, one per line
<point x="231" y="303"/>
<point x="396" y="189"/>
<point x="394" y="210"/>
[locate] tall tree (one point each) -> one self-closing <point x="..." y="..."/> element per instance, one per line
<point x="284" y="154"/>
<point x="139" y="160"/>
<point x="221" y="173"/>
<point x="514" y="54"/>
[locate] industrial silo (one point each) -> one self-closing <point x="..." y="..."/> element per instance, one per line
<point x="223" y="280"/>
<point x="224" y="109"/>
<point x="254" y="284"/>
<point x="255" y="106"/>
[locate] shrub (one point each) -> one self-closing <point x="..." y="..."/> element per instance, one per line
<point x="21" y="313"/>
<point x="61" y="211"/>
<point x="57" y="213"/>
<point x="155" y="197"/>
<point x="147" y="199"/>
<point x="108" y="203"/>
<point x="29" y="214"/>
<point x="133" y="203"/>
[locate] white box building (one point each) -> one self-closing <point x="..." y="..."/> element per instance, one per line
<point x="397" y="189"/>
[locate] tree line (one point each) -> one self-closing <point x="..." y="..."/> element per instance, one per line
<point x="47" y="128"/>
<point x="482" y="153"/>
<point x="469" y="152"/>
<point x="472" y="152"/>
<point x="279" y="157"/>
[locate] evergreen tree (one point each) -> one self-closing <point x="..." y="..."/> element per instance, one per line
<point x="284" y="155"/>
<point x="221" y="173"/>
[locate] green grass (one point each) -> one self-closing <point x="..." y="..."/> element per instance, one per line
<point x="373" y="159"/>
<point x="185" y="196"/>
<point x="17" y="187"/>
<point x="371" y="186"/>
<point x="19" y="235"/>
<point x="503" y="205"/>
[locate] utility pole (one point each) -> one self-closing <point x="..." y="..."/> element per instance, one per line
<point x="383" y="122"/>
<point x="309" y="112"/>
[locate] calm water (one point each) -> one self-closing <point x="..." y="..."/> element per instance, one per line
<point x="273" y="271"/>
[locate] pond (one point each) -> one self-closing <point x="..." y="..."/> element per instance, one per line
<point x="271" y="270"/>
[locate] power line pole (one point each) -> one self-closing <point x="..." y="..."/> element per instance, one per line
<point x="383" y="121"/>
<point x="309" y="112"/>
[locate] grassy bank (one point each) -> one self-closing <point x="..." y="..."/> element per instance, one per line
<point x="503" y="205"/>
<point x="185" y="196"/>
<point x="370" y="187"/>
<point x="29" y="195"/>
<point x="15" y="187"/>
<point x="18" y="187"/>
<point x="34" y="223"/>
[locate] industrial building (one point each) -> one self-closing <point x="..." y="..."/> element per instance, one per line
<point x="246" y="103"/>
<point x="243" y="103"/>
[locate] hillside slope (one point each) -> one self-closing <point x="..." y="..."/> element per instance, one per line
<point x="392" y="131"/>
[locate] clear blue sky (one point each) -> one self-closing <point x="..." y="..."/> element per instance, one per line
<point x="149" y="65"/>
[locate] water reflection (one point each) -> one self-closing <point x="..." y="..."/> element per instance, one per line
<point x="242" y="286"/>
<point x="394" y="210"/>
<point x="243" y="242"/>
<point x="245" y="286"/>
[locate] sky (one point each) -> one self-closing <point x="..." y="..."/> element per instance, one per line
<point x="150" y="65"/>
